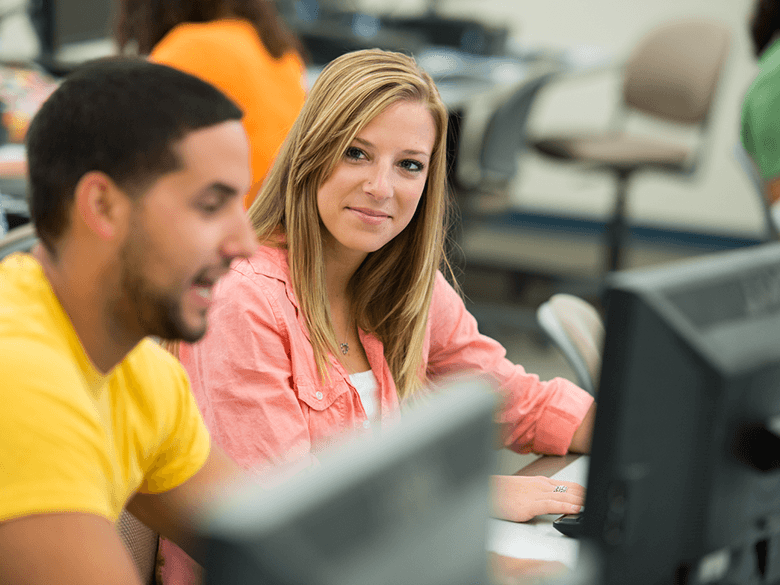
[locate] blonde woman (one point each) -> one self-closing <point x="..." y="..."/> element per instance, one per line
<point x="343" y="313"/>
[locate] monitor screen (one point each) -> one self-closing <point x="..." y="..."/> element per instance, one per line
<point x="684" y="483"/>
<point x="73" y="31"/>
<point x="410" y="505"/>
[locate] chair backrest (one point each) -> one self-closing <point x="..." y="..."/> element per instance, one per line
<point x="141" y="543"/>
<point x="493" y="132"/>
<point x="577" y="330"/>
<point x="19" y="239"/>
<point x="751" y="170"/>
<point x="674" y="71"/>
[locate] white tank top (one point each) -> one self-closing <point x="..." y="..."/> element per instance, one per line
<point x="368" y="390"/>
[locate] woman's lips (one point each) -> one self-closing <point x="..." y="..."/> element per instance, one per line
<point x="369" y="216"/>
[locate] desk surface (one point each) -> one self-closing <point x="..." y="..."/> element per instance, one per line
<point x="538" y="539"/>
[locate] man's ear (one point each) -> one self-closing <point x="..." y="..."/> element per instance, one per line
<point x="101" y="205"/>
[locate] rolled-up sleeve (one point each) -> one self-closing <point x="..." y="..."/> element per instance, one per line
<point x="535" y="416"/>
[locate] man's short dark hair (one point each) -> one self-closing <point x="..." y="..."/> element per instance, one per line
<point x="121" y="116"/>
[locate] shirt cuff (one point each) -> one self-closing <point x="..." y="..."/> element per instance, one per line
<point x="560" y="419"/>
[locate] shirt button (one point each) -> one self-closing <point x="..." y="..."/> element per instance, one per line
<point x="319" y="395"/>
<point x="366" y="424"/>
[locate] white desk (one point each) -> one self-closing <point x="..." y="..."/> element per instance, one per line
<point x="538" y="539"/>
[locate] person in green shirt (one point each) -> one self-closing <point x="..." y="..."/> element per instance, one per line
<point x="760" y="127"/>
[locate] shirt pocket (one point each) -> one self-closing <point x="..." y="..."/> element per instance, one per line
<point x="314" y="392"/>
<point x="320" y="397"/>
<point x="333" y="417"/>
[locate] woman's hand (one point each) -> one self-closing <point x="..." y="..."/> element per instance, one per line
<point x="519" y="498"/>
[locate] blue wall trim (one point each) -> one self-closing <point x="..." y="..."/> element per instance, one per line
<point x="652" y="235"/>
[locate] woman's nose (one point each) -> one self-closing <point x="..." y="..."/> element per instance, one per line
<point x="379" y="182"/>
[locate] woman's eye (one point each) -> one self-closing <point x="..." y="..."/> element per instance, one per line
<point x="412" y="165"/>
<point x="354" y="153"/>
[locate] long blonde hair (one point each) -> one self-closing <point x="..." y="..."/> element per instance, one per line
<point x="350" y="92"/>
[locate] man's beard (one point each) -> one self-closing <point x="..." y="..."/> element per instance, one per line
<point x="154" y="311"/>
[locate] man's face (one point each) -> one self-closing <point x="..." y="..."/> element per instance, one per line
<point x="183" y="234"/>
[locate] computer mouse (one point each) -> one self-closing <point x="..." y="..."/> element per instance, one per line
<point x="570" y="525"/>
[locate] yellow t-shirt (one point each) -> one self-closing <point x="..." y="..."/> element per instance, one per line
<point x="72" y="439"/>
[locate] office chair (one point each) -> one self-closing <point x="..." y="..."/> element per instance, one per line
<point x="18" y="239"/>
<point x="491" y="137"/>
<point x="486" y="141"/>
<point x="772" y="223"/>
<point x="140" y="541"/>
<point x="577" y="330"/>
<point x="672" y="76"/>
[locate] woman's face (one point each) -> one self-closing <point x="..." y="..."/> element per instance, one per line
<point x="373" y="191"/>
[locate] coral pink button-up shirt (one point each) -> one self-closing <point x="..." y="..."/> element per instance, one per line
<point x="256" y="381"/>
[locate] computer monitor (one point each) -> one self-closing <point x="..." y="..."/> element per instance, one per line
<point x="408" y="506"/>
<point x="684" y="483"/>
<point x="73" y="31"/>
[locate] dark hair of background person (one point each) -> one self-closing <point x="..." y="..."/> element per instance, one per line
<point x="764" y="24"/>
<point x="120" y="116"/>
<point x="148" y="21"/>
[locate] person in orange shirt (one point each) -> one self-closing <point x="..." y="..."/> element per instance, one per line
<point x="240" y="46"/>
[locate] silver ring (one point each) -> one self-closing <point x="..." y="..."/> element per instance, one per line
<point x="560" y="488"/>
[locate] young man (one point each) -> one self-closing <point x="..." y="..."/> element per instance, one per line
<point x="137" y="177"/>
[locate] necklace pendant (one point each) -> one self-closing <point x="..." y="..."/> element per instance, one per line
<point x="344" y="348"/>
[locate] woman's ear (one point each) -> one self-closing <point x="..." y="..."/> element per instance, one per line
<point x="101" y="205"/>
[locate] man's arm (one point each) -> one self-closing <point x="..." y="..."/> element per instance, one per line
<point x="65" y="548"/>
<point x="174" y="513"/>
<point x="85" y="549"/>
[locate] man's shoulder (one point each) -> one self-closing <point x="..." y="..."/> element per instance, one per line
<point x="31" y="319"/>
<point x="32" y="361"/>
<point x="764" y="92"/>
<point x="41" y="380"/>
<point x="21" y="279"/>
